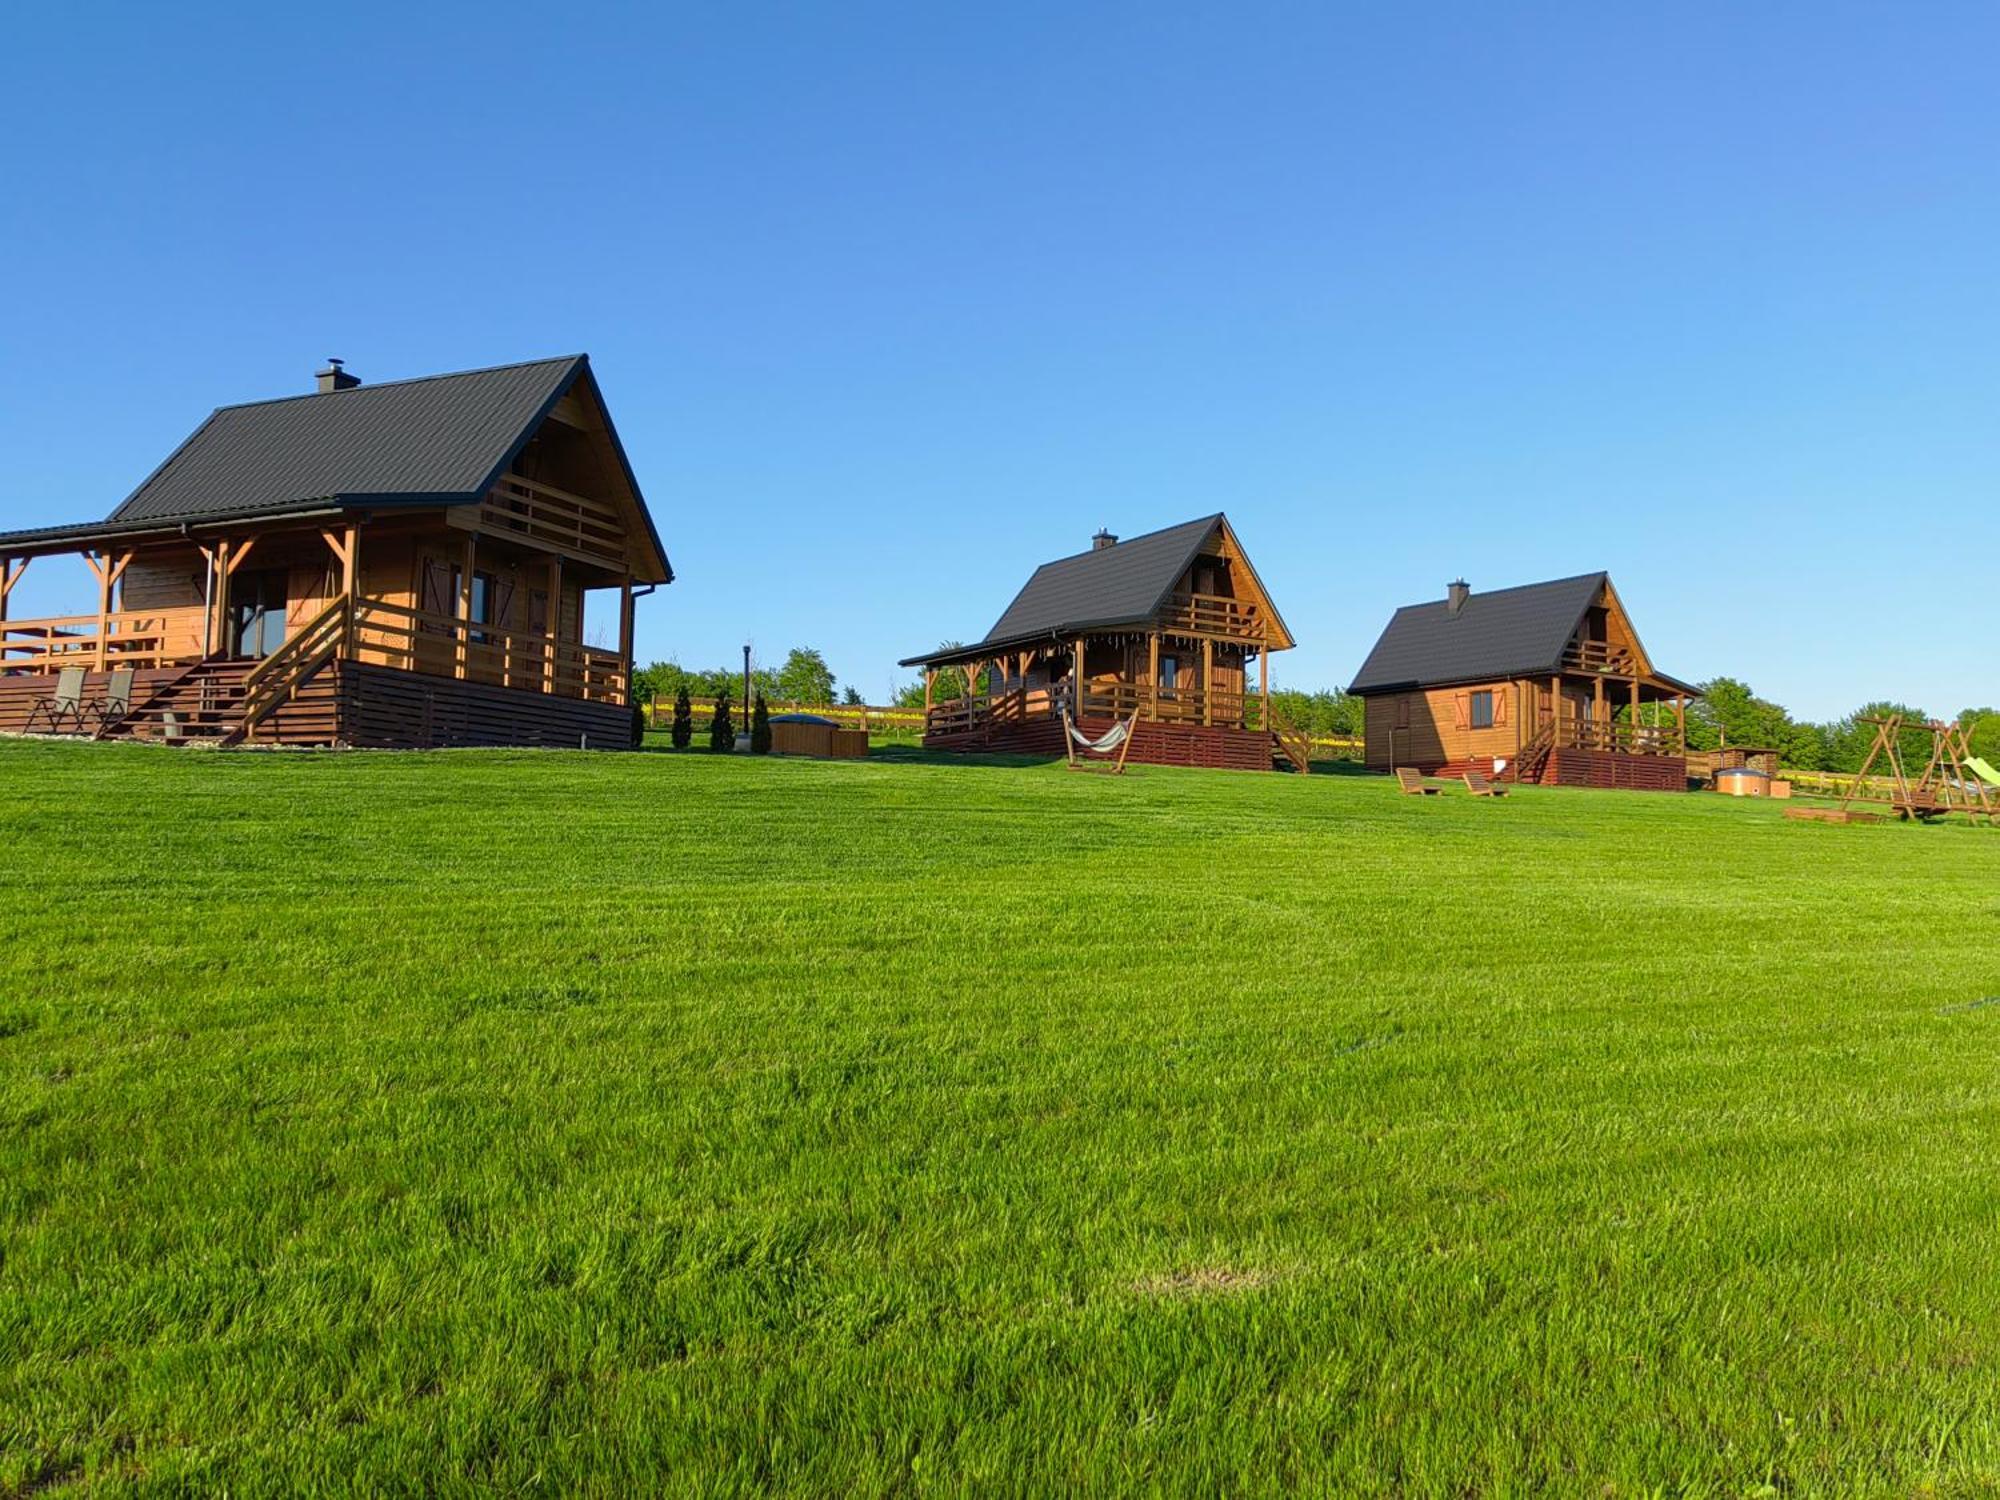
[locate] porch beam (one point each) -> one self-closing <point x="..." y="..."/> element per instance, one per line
<point x="11" y="569"/>
<point x="238" y="553"/>
<point x="625" y="634"/>
<point x="103" y="606"/>
<point x="462" y="606"/>
<point x="553" y="624"/>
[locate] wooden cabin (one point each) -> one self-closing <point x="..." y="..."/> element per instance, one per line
<point x="1162" y="628"/>
<point x="1544" y="683"/>
<point x="403" y="565"/>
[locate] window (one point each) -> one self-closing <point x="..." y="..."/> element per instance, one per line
<point x="1482" y="709"/>
<point x="1170" y="671"/>
<point x="483" y="592"/>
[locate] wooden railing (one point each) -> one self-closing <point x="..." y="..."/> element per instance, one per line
<point x="277" y="678"/>
<point x="528" y="510"/>
<point x="1100" y="700"/>
<point x="131" y="638"/>
<point x="416" y="640"/>
<point x="1208" y="614"/>
<point x="1599" y="656"/>
<point x="1626" y="739"/>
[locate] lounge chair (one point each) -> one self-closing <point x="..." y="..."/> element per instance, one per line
<point x="1479" y="786"/>
<point x="1412" y="783"/>
<point x="66" y="702"/>
<point x="117" y="700"/>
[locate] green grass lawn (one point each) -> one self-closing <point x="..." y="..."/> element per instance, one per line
<point x="661" y="1124"/>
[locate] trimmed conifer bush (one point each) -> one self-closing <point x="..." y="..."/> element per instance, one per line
<point x="760" y="728"/>
<point x="683" y="732"/>
<point x="721" y="728"/>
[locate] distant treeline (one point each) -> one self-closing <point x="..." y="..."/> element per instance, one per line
<point x="1728" y="707"/>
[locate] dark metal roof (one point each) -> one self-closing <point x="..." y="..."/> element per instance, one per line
<point x="1517" y="632"/>
<point x="438" y="440"/>
<point x="1116" y="585"/>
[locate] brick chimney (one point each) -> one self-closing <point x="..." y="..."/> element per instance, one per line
<point x="1455" y="595"/>
<point x="1102" y="540"/>
<point x="333" y="378"/>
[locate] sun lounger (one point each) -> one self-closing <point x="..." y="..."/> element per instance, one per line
<point x="1412" y="783"/>
<point x="1479" y="786"/>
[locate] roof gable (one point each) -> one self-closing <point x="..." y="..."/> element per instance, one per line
<point x="1104" y="586"/>
<point x="1513" y="632"/>
<point x="441" y="439"/>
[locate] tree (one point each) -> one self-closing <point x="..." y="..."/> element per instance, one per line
<point x="721" y="732"/>
<point x="1848" y="739"/>
<point x="639" y="716"/>
<point x="805" y="678"/>
<point x="760" y="728"/>
<point x="683" y="718"/>
<point x="1982" y="731"/>
<point x="850" y="696"/>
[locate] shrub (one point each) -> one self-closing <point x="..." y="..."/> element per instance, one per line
<point x="683" y="719"/>
<point x="721" y="729"/>
<point x="639" y="712"/>
<point x="760" y="728"/>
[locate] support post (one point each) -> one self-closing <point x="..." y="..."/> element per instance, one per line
<point x="1153" y="676"/>
<point x="1555" y="709"/>
<point x="1264" y="680"/>
<point x="625" y="636"/>
<point x="1635" y="713"/>
<point x="1076" y="681"/>
<point x="103" y="606"/>
<point x="1207" y="680"/>
<point x="462" y="606"/>
<point x="930" y="683"/>
<point x="553" y="624"/>
<point x="10" y="574"/>
<point x="350" y="585"/>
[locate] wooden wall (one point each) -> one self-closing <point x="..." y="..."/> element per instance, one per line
<point x="1432" y="727"/>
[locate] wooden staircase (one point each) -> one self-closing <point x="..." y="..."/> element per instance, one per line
<point x="203" y="705"/>
<point x="277" y="679"/>
<point x="1290" y="746"/>
<point x="1534" y="757"/>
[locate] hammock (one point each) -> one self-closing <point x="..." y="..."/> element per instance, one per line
<point x="1117" y="738"/>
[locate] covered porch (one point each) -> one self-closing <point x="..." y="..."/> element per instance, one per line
<point x="217" y="628"/>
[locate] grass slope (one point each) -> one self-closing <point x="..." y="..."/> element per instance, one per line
<point x="463" y="1122"/>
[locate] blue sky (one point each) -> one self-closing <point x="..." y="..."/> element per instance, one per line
<point x="892" y="303"/>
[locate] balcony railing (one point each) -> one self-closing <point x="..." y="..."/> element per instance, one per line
<point x="1600" y="656"/>
<point x="1209" y="614"/>
<point x="542" y="515"/>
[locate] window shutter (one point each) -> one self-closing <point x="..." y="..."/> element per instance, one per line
<point x="1500" y="697"/>
<point x="1461" y="710"/>
<point x="503" y="600"/>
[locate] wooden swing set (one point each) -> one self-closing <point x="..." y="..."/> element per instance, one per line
<point x="1946" y="786"/>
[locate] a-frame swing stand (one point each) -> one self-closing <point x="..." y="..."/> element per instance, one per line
<point x="1086" y="754"/>
<point x="1946" y="785"/>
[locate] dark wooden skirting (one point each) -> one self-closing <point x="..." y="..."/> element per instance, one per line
<point x="1609" y="768"/>
<point x="1153" y="744"/>
<point x="349" y="703"/>
<point x="1599" y="768"/>
<point x="20" y="693"/>
<point x="385" y="708"/>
